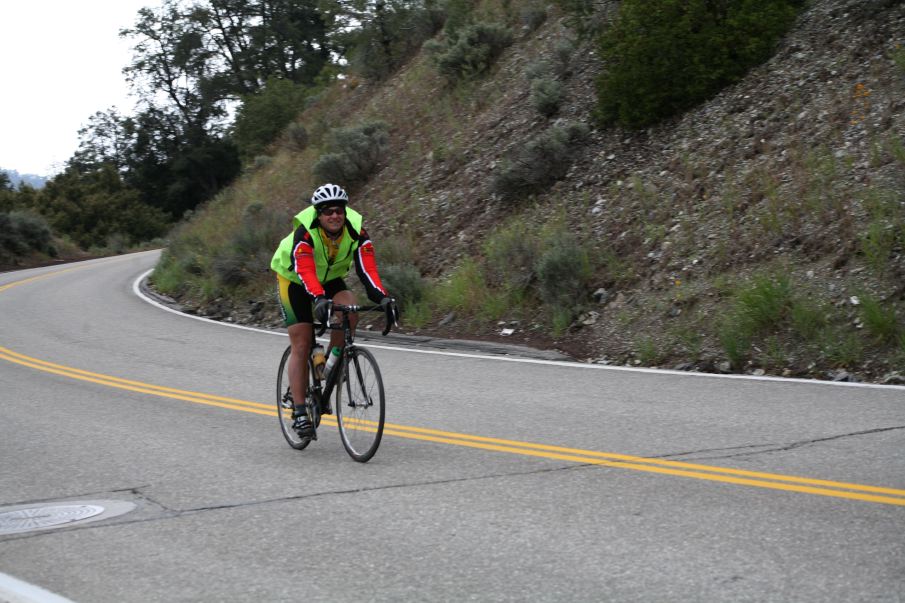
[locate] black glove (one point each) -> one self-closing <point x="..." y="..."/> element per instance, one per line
<point x="392" y="310"/>
<point x="322" y="307"/>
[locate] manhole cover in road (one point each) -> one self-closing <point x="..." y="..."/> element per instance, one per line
<point x="38" y="518"/>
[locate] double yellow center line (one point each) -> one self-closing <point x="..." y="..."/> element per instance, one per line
<point x="36" y="278"/>
<point x="861" y="492"/>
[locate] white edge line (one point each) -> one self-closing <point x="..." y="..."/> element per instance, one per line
<point x="18" y="591"/>
<point x="563" y="363"/>
<point x="136" y="288"/>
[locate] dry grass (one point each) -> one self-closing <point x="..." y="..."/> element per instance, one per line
<point x="666" y="209"/>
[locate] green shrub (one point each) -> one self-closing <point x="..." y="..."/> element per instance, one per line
<point x="88" y="207"/>
<point x="583" y="16"/>
<point x="533" y="15"/>
<point x="560" y="320"/>
<point x="538" y="69"/>
<point x="434" y="48"/>
<point x="417" y="315"/>
<point x="664" y="56"/>
<point x="876" y="245"/>
<point x="898" y="56"/>
<point x="564" y="273"/>
<point x="458" y="15"/>
<point x="896" y="147"/>
<point x="879" y="320"/>
<point x="546" y="95"/>
<point x="231" y="270"/>
<point x="248" y="251"/>
<point x="886" y="230"/>
<point x="181" y="264"/>
<point x="758" y="308"/>
<point x="618" y="269"/>
<point x="167" y="278"/>
<point x="765" y="302"/>
<point x="735" y="341"/>
<point x="563" y="279"/>
<point x="555" y="67"/>
<point x="689" y="339"/>
<point x="33" y="230"/>
<point x="808" y="318"/>
<point x="495" y="304"/>
<point x="473" y="51"/>
<point x="296" y="136"/>
<point x="395" y="249"/>
<point x="563" y="51"/>
<point x="393" y="34"/>
<point x="541" y="162"/>
<point x="333" y="167"/>
<point x="117" y="243"/>
<point x="841" y="348"/>
<point x="511" y="255"/>
<point x="405" y="284"/>
<point x="262" y="116"/>
<point x="649" y="351"/>
<point x="774" y="354"/>
<point x="23" y="232"/>
<point x="353" y="153"/>
<point x="464" y="289"/>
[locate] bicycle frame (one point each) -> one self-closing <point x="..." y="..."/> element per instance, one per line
<point x="357" y="374"/>
<point x="324" y="389"/>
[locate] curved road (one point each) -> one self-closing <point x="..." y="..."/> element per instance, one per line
<point x="500" y="479"/>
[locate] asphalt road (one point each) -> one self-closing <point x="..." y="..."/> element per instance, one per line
<point x="500" y="478"/>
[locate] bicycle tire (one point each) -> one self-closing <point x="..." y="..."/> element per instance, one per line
<point x="361" y="416"/>
<point x="284" y="405"/>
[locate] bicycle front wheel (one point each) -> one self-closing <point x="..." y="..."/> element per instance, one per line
<point x="285" y="403"/>
<point x="361" y="414"/>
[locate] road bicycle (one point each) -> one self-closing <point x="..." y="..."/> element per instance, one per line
<point x="356" y="386"/>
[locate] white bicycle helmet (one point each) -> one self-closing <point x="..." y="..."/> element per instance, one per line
<point x="329" y="193"/>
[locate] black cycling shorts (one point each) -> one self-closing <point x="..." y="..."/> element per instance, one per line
<point x="296" y="305"/>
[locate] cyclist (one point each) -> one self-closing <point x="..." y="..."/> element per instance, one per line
<point x="310" y="264"/>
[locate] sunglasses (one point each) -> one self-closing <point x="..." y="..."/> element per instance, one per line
<point x="329" y="211"/>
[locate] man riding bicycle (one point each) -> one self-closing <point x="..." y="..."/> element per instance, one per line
<point x="310" y="264"/>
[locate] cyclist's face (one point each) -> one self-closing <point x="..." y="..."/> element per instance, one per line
<point x="332" y="219"/>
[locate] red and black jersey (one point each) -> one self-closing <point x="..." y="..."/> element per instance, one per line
<point x="362" y="250"/>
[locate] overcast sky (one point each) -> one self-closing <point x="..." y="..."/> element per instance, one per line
<point x="60" y="62"/>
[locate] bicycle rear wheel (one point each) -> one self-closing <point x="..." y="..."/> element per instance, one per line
<point x="285" y="403"/>
<point x="361" y="415"/>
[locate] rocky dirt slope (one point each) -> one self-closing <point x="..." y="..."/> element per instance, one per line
<point x="771" y="174"/>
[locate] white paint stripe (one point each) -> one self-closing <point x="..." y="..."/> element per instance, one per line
<point x="364" y="268"/>
<point x="13" y="590"/>
<point x="562" y="363"/>
<point x="136" y="288"/>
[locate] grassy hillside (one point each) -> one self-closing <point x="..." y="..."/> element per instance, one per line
<point x="761" y="231"/>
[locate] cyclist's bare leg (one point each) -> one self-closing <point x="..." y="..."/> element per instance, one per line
<point x="346" y="298"/>
<point x="300" y="336"/>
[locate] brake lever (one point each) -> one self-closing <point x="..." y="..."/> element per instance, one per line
<point x="392" y="319"/>
<point x="326" y="323"/>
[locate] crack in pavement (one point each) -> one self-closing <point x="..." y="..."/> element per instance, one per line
<point x="166" y="513"/>
<point x="179" y="513"/>
<point x="770" y="448"/>
<point x="74" y="497"/>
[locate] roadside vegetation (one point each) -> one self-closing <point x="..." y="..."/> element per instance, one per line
<point x="543" y="269"/>
<point x="665" y="56"/>
<point x="586" y="176"/>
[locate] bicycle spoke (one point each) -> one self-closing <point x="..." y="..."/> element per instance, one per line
<point x="357" y="388"/>
<point x="361" y="415"/>
<point x="285" y="405"/>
